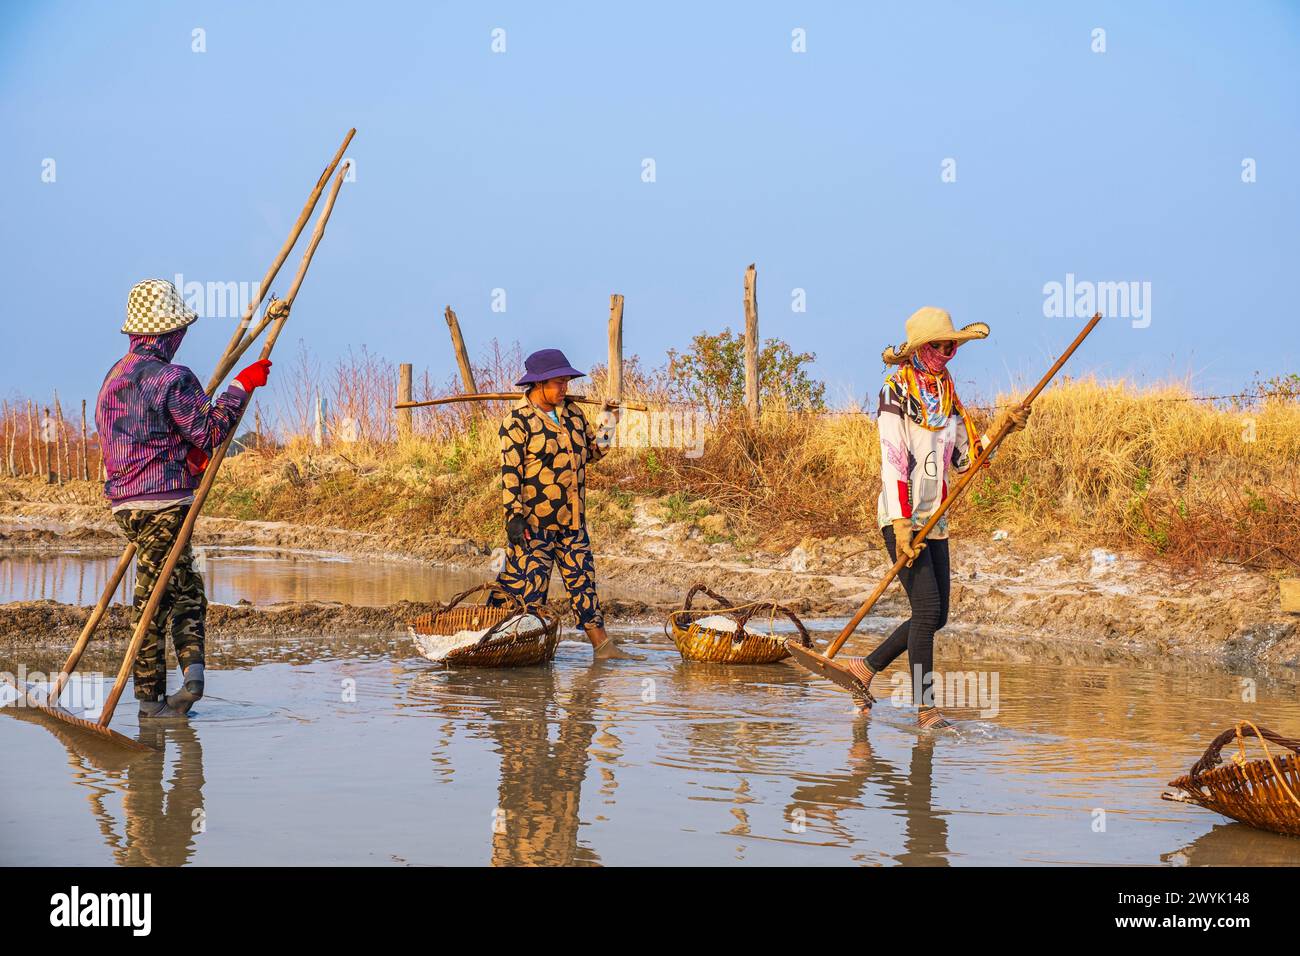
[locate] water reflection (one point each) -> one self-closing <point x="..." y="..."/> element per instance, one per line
<point x="160" y="819"/>
<point x="925" y="840"/>
<point x="544" y="737"/>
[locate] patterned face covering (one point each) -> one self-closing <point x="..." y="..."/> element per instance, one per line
<point x="932" y="385"/>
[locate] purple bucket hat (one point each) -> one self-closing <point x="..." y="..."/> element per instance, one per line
<point x="548" y="363"/>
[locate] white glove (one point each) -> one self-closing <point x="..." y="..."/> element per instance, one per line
<point x="606" y="423"/>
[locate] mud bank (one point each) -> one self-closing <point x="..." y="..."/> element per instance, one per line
<point x="1064" y="592"/>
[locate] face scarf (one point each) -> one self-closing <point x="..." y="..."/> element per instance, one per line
<point x="930" y="383"/>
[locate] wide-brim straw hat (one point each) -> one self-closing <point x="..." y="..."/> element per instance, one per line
<point x="154" y="307"/>
<point x="929" y="324"/>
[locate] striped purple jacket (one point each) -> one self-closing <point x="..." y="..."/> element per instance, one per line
<point x="150" y="413"/>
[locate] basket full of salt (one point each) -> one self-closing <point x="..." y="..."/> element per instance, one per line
<point x="731" y="633"/>
<point x="476" y="635"/>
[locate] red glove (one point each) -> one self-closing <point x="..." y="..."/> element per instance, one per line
<point x="196" y="459"/>
<point x="254" y="376"/>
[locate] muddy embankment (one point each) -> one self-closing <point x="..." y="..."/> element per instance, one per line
<point x="1064" y="593"/>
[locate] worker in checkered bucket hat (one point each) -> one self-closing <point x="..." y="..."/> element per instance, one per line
<point x="157" y="426"/>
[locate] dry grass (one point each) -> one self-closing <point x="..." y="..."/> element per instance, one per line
<point x="1103" y="463"/>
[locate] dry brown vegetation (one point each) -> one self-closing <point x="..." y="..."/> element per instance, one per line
<point x="1147" y="469"/>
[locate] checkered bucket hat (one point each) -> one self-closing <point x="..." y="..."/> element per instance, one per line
<point x="154" y="307"/>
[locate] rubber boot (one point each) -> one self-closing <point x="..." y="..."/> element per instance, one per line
<point x="191" y="690"/>
<point x="151" y="709"/>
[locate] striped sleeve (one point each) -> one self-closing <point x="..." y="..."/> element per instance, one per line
<point x="202" y="422"/>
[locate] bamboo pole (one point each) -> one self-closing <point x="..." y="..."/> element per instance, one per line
<point x="614" y="387"/>
<point x="514" y="397"/>
<point x="462" y="356"/>
<point x="962" y="485"/>
<point x="210" y="473"/>
<point x="404" y="403"/>
<point x="751" y="343"/>
<point x="223" y="368"/>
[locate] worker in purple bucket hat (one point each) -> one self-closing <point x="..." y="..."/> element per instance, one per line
<point x="546" y="445"/>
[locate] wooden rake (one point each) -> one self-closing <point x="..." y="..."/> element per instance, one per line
<point x="822" y="663"/>
<point x="239" y="343"/>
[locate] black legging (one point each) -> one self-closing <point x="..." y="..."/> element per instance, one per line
<point x="927" y="585"/>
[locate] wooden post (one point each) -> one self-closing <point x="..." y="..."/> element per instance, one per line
<point x="62" y="452"/>
<point x="462" y="357"/>
<point x="404" y="395"/>
<point x="319" y="431"/>
<point x="46" y="438"/>
<point x="751" y="343"/>
<point x="614" y="387"/>
<point x="31" y="438"/>
<point x="257" y="425"/>
<point x="85" y="445"/>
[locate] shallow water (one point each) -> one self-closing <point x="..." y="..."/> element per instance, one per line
<point x="259" y="575"/>
<point x="343" y="751"/>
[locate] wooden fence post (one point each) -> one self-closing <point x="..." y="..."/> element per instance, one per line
<point x="614" y="386"/>
<point x="462" y="357"/>
<point x="47" y="424"/>
<point x="404" y="395"/>
<point x="85" y="445"/>
<point x="751" y="343"/>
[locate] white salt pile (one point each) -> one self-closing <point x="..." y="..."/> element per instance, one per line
<point x="757" y="624"/>
<point x="437" y="646"/>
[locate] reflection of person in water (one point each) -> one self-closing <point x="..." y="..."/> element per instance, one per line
<point x="925" y="841"/>
<point x="537" y="817"/>
<point x="541" y="781"/>
<point x="161" y="825"/>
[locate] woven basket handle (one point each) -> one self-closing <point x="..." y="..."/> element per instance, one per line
<point x="696" y="589"/>
<point x="743" y="618"/>
<point x="490" y="586"/>
<point x="1212" y="757"/>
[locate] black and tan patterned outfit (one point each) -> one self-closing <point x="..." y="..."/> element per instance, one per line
<point x="543" y="479"/>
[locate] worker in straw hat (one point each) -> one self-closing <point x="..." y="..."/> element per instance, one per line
<point x="546" y="445"/>
<point x="157" y="427"/>
<point x="925" y="435"/>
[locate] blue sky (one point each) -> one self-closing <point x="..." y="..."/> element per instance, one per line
<point x="522" y="171"/>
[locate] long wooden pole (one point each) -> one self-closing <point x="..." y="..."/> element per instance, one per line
<point x="223" y="369"/>
<point x="513" y="397"/>
<point x="957" y="492"/>
<point x="210" y="473"/>
<point x="224" y="365"/>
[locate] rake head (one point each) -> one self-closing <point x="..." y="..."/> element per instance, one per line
<point x="27" y="702"/>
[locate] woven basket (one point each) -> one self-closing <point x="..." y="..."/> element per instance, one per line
<point x="1262" y="793"/>
<point x="520" y="649"/>
<point x="708" y="645"/>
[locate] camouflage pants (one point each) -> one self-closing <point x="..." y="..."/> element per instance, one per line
<point x="527" y="574"/>
<point x="183" y="603"/>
